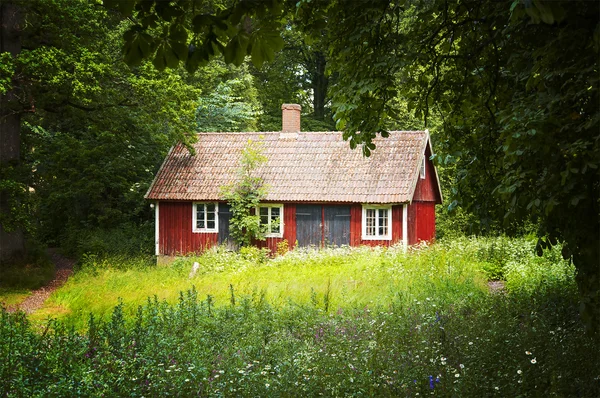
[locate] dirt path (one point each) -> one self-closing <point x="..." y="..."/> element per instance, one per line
<point x="64" y="269"/>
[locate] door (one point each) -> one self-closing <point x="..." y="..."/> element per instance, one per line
<point x="337" y="225"/>
<point x="308" y="225"/>
<point x="224" y="217"/>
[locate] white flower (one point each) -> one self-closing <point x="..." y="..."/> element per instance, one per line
<point x="187" y="380"/>
<point x="496" y="388"/>
<point x="462" y="366"/>
<point x="470" y="343"/>
<point x="519" y="371"/>
<point x="527" y="352"/>
<point x="457" y="375"/>
<point x="533" y="360"/>
<point x="168" y="370"/>
<point x="267" y="385"/>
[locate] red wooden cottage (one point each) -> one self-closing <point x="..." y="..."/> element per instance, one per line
<point x="321" y="191"/>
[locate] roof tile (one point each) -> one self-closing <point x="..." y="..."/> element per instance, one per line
<point x="314" y="167"/>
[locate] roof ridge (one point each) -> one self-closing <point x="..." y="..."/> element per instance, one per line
<point x="299" y="132"/>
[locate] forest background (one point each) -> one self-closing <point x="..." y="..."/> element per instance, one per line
<point x="94" y="93"/>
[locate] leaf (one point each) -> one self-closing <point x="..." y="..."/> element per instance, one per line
<point x="544" y="12"/>
<point x="125" y="7"/>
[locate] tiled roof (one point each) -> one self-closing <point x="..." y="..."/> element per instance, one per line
<point x="302" y="167"/>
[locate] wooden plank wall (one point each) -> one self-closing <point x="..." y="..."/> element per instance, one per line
<point x="421" y="222"/>
<point x="289" y="230"/>
<point x="356" y="228"/>
<point x="175" y="230"/>
<point x="426" y="189"/>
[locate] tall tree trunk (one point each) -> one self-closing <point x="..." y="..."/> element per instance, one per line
<point x="11" y="243"/>
<point x="320" y="83"/>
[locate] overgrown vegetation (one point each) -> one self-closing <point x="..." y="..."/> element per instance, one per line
<point x="338" y="322"/>
<point x="245" y="195"/>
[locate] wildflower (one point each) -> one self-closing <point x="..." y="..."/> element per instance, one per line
<point x="519" y="371"/>
<point x="470" y="343"/>
<point x="462" y="366"/>
<point x="431" y="385"/>
<point x="168" y="370"/>
<point x="267" y="385"/>
<point x="527" y="352"/>
<point x="263" y="373"/>
<point x="457" y="375"/>
<point x="533" y="361"/>
<point x="496" y="388"/>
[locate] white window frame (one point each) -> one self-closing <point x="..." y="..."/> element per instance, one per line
<point x="270" y="234"/>
<point x="423" y="168"/>
<point x="195" y="229"/>
<point x="387" y="236"/>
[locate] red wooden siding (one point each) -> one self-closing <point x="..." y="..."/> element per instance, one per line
<point x="421" y="222"/>
<point x="356" y="227"/>
<point x="426" y="189"/>
<point x="175" y="230"/>
<point x="289" y="230"/>
<point x="176" y="236"/>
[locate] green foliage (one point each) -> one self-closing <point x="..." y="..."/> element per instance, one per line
<point x="245" y="195"/>
<point x="436" y="335"/>
<point x="31" y="271"/>
<point x="170" y="33"/>
<point x="231" y="106"/>
<point x="128" y="240"/>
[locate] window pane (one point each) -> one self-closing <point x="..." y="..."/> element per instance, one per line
<point x="383" y="222"/>
<point x="200" y="214"/>
<point x="264" y="219"/>
<point x="264" y="211"/>
<point x="370" y="222"/>
<point x="275" y="225"/>
<point x="210" y="224"/>
<point x="210" y="207"/>
<point x="210" y="216"/>
<point x="274" y="212"/>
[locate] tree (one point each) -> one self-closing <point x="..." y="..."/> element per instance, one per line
<point x="231" y="106"/>
<point x="11" y="234"/>
<point x="245" y="195"/>
<point x="92" y="130"/>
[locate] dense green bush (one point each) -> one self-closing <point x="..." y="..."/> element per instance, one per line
<point x="124" y="240"/>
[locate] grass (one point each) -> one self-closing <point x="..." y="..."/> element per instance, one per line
<point x="343" y="322"/>
<point x="11" y="297"/>
<point x="336" y="278"/>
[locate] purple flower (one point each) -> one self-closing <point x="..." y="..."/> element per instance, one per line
<point x="431" y="384"/>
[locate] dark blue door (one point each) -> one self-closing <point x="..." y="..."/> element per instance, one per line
<point x="308" y="225"/>
<point x="337" y="225"/>
<point x="224" y="217"/>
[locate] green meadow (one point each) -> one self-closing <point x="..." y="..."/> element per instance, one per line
<point x="335" y="322"/>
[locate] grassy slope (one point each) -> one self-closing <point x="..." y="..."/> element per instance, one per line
<point x="342" y="278"/>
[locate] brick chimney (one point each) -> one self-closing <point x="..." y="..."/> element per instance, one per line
<point x="291" y="118"/>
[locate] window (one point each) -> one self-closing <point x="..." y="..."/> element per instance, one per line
<point x="205" y="217"/>
<point x="272" y="216"/>
<point x="422" y="173"/>
<point x="376" y="223"/>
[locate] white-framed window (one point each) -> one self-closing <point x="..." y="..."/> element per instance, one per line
<point x="272" y="217"/>
<point x="376" y="222"/>
<point x="422" y="172"/>
<point x="205" y="217"/>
